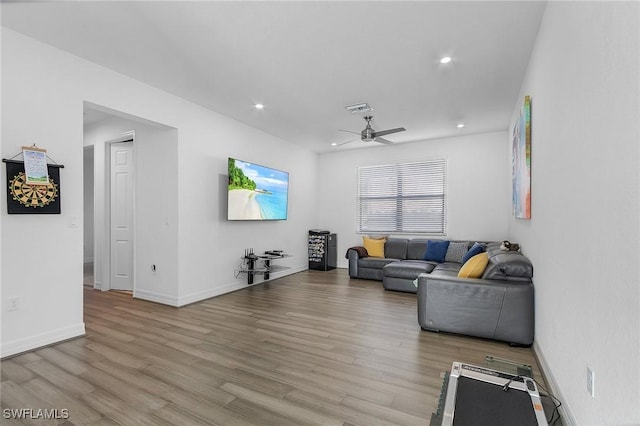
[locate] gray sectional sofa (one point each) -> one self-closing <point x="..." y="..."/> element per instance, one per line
<point x="499" y="305"/>
<point x="401" y="265"/>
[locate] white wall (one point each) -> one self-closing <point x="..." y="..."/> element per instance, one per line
<point x="583" y="236"/>
<point x="42" y="255"/>
<point x="156" y="214"/>
<point x="43" y="94"/>
<point x="210" y="246"/>
<point x="477" y="184"/>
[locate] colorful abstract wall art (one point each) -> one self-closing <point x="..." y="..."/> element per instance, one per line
<point x="521" y="162"/>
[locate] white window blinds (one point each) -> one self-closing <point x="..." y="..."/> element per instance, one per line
<point x="408" y="197"/>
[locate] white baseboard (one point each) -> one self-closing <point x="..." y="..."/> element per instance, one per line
<point x="236" y="285"/>
<point x="554" y="387"/>
<point x="177" y="302"/>
<point x="152" y="296"/>
<point x="29" y="343"/>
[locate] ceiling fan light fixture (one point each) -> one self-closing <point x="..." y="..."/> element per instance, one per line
<point x="356" y="108"/>
<point x="368" y="134"/>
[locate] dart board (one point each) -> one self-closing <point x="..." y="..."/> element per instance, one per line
<point x="24" y="198"/>
<point x="32" y="195"/>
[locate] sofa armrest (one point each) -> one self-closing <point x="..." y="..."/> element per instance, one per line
<point x="353" y="254"/>
<point x="361" y="251"/>
<point x="493" y="309"/>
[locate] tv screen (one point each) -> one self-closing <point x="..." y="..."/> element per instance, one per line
<point x="256" y="192"/>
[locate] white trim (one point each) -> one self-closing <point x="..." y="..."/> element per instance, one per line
<point x="152" y="296"/>
<point x="228" y="288"/>
<point x="97" y="284"/>
<point x="30" y="343"/>
<point x="199" y="296"/>
<point x="554" y="387"/>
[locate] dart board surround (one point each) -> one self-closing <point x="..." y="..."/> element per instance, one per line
<point x="23" y="198"/>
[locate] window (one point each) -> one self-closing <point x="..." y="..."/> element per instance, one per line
<point x="409" y="198"/>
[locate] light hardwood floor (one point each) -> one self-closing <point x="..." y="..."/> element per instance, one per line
<point x="313" y="348"/>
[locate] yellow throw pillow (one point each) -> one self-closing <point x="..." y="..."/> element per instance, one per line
<point x="375" y="247"/>
<point x="475" y="266"/>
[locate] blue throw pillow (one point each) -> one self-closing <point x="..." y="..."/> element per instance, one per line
<point x="476" y="248"/>
<point x="436" y="250"/>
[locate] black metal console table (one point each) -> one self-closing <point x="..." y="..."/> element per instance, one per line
<point x="259" y="264"/>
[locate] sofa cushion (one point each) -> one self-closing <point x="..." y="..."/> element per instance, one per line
<point x="456" y="251"/>
<point x="494" y="249"/>
<point x="448" y="266"/>
<point x="417" y="248"/>
<point x="408" y="269"/>
<point x="375" y="247"/>
<point x="443" y="273"/>
<point x="396" y="248"/>
<point x="507" y="264"/>
<point x="374" y="262"/>
<point x="436" y="250"/>
<point x="476" y="248"/>
<point x="474" y="267"/>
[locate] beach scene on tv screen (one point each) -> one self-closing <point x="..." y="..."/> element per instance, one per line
<point x="256" y="192"/>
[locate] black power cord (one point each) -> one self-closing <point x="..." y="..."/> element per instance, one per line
<point x="555" y="401"/>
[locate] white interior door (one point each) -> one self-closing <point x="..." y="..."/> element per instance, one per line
<point x="122" y="216"/>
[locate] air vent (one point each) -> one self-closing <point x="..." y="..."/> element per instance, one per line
<point x="355" y="108"/>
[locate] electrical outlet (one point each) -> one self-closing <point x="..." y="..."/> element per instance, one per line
<point x="591" y="383"/>
<point x="13" y="304"/>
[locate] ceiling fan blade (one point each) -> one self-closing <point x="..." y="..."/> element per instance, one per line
<point x="344" y="143"/>
<point x="382" y="140"/>
<point x="390" y="131"/>
<point x="349" y="131"/>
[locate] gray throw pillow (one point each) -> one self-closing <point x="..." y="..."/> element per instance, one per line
<point x="456" y="251"/>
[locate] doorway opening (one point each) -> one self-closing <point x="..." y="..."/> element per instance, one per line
<point x="135" y="209"/>
<point x="108" y="164"/>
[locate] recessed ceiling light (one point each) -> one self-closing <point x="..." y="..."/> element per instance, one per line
<point x="334" y="143"/>
<point x="259" y="106"/>
<point x="445" y="60"/>
<point x="460" y="125"/>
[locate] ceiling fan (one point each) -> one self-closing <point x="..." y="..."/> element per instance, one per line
<point x="368" y="134"/>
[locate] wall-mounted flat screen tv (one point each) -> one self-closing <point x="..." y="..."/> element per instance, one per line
<point x="256" y="192"/>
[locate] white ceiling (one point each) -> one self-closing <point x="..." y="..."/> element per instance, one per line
<point x="305" y="61"/>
